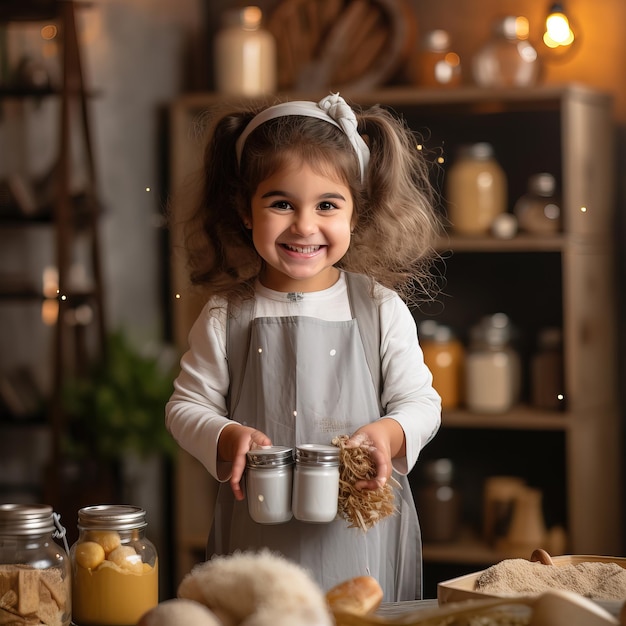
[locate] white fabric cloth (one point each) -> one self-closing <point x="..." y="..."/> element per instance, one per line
<point x="196" y="412"/>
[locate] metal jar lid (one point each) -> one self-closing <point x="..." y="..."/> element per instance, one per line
<point x="112" y="517"/>
<point x="481" y="151"/>
<point x="317" y="454"/>
<point x="26" y="519"/>
<point x="270" y="457"/>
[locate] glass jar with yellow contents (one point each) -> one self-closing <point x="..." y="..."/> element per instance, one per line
<point x="115" y="576"/>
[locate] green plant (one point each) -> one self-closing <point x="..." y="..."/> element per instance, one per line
<point x="118" y="406"/>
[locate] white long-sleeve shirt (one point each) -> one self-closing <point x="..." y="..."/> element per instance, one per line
<point x="197" y="410"/>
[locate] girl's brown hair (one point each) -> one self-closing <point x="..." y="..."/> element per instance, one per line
<point x="395" y="223"/>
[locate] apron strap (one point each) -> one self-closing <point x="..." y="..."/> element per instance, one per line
<point x="238" y="333"/>
<point x="363" y="308"/>
<point x="366" y="311"/>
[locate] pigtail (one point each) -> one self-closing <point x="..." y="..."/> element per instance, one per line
<point x="221" y="255"/>
<point x="396" y="217"/>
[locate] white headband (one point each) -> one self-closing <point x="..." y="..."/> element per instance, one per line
<point x="332" y="109"/>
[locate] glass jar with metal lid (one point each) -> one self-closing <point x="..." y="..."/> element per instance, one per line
<point x="476" y="186"/>
<point x="115" y="577"/>
<point x="493" y="369"/>
<point x="269" y="482"/>
<point x="316" y="483"/>
<point x="34" y="568"/>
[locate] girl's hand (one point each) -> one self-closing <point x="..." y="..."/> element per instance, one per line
<point x="384" y="440"/>
<point x="235" y="440"/>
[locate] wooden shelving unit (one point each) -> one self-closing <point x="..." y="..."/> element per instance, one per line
<point x="567" y="280"/>
<point x="67" y="216"/>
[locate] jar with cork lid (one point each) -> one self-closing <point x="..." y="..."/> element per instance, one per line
<point x="115" y="575"/>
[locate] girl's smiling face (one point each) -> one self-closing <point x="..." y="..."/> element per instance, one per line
<point x="301" y="221"/>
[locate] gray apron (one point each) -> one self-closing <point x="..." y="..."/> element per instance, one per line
<point x="324" y="389"/>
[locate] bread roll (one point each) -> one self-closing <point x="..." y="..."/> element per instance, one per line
<point x="360" y="595"/>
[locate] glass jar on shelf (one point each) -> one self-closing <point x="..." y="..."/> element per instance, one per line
<point x="546" y="370"/>
<point x="438" y="502"/>
<point x="444" y="354"/>
<point x="245" y="54"/>
<point x="476" y="189"/>
<point x="493" y="370"/>
<point x="507" y="59"/>
<point x="538" y="211"/>
<point x="436" y="64"/>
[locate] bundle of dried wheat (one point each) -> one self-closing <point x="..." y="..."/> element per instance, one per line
<point x="362" y="508"/>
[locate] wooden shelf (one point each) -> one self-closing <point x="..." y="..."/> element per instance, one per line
<point x="470" y="552"/>
<point x="71" y="219"/>
<point x="520" y="418"/>
<point x="538" y="98"/>
<point x="519" y="243"/>
<point x="34" y="10"/>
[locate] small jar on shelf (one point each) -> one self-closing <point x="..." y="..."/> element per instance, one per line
<point x="476" y="188"/>
<point x="438" y="502"/>
<point x="245" y="54"/>
<point x="436" y="65"/>
<point x="538" y="211"/>
<point x="507" y="59"/>
<point x="493" y="370"/>
<point x="546" y="371"/>
<point x="444" y="355"/>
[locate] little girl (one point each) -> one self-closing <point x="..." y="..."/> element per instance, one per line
<point x="314" y="230"/>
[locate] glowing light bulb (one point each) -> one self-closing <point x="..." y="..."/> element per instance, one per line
<point x="558" y="29"/>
